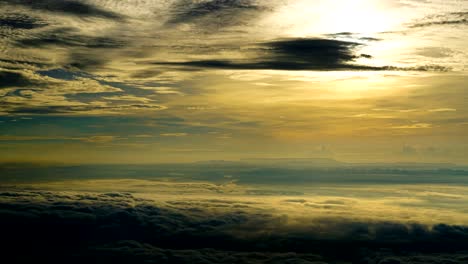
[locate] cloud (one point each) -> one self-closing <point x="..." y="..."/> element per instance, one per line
<point x="90" y="139"/>
<point x="414" y="126"/>
<point x="452" y="18"/>
<point x="26" y="138"/>
<point x="435" y="52"/>
<point x="67" y="38"/>
<point x="443" y="110"/>
<point x="20" y="21"/>
<point x="173" y="134"/>
<point x="68" y="7"/>
<point x="290" y="54"/>
<point x="119" y="227"/>
<point x="350" y="35"/>
<point x="317" y="54"/>
<point x="98" y="139"/>
<point x="16" y="64"/>
<point x="212" y="15"/>
<point x="58" y="91"/>
<point x="129" y="98"/>
<point x="14" y="79"/>
<point x="81" y="108"/>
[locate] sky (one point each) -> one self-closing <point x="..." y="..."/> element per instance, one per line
<point x="148" y="81"/>
<point x="234" y="131"/>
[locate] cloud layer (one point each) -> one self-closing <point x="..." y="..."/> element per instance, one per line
<point x="120" y="227"/>
<point x="109" y="42"/>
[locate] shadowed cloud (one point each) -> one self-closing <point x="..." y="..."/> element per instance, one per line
<point x="13" y="79"/>
<point x="67" y="38"/>
<point x="71" y="7"/>
<point x="20" y="21"/>
<point x="54" y="225"/>
<point x="316" y="54"/>
<point x="59" y="109"/>
<point x="214" y="13"/>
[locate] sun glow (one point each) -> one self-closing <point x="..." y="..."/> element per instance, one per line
<point x="357" y="16"/>
<point x="319" y="17"/>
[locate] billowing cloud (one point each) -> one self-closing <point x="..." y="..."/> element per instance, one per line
<point x="117" y="226"/>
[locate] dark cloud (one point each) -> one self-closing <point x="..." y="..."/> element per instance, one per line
<point x="341" y="34"/>
<point x="20" y="21"/>
<point x="83" y="60"/>
<point x="63" y="109"/>
<point x="292" y="54"/>
<point x="302" y="54"/>
<point x="424" y="68"/>
<point x="369" y="39"/>
<point x="14" y="79"/>
<point x="42" y="110"/>
<point x="350" y="35"/>
<point x="454" y="18"/>
<point x="63" y="74"/>
<point x="214" y="13"/>
<point x="84" y="51"/>
<point x="325" y="53"/>
<point x="120" y="228"/>
<point x="70" y="7"/>
<point x="21" y="64"/>
<point x="68" y="38"/>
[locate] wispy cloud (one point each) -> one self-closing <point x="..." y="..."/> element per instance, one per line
<point x="414" y="126"/>
<point x="174" y="134"/>
<point x="447" y="19"/>
<point x="443" y="110"/>
<point x="72" y="7"/>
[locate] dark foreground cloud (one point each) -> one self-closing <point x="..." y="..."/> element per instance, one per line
<point x="120" y="228"/>
<point x="291" y="54"/>
<point x="318" y="54"/>
<point x="70" y="7"/>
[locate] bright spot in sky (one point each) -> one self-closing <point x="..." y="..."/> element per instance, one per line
<point x="356" y="16"/>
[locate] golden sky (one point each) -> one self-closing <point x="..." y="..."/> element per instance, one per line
<point x="182" y="80"/>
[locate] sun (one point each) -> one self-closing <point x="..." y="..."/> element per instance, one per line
<point x="333" y="16"/>
<point x="357" y="16"/>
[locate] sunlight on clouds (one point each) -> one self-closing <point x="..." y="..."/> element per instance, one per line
<point x="425" y="204"/>
<point x="308" y="72"/>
